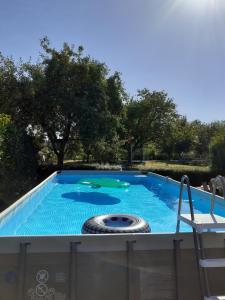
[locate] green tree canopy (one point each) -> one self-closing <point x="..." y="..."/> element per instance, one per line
<point x="66" y="96"/>
<point x="148" y="119"/>
<point x="101" y="113"/>
<point x="18" y="158"/>
<point x="217" y="152"/>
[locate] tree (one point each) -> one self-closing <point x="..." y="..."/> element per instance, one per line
<point x="183" y="136"/>
<point x="217" y="152"/>
<point x="18" y="159"/>
<point x="69" y="97"/>
<point x="201" y="140"/>
<point x="57" y="90"/>
<point x="147" y="119"/>
<point x="100" y="124"/>
<point x="8" y="85"/>
<point x="4" y="121"/>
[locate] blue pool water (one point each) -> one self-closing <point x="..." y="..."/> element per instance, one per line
<point x="62" y="205"/>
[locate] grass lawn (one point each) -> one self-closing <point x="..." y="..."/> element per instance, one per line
<point x="151" y="165"/>
<point x="175" y="170"/>
<point x="170" y="166"/>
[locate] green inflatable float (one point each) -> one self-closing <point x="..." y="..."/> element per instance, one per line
<point x="104" y="182"/>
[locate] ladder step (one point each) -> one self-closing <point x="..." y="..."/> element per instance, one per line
<point x="204" y="221"/>
<point x="212" y="263"/>
<point x="215" y="298"/>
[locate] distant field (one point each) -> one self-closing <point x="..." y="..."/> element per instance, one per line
<point x="175" y="170"/>
<point x="170" y="166"/>
<point x="151" y="165"/>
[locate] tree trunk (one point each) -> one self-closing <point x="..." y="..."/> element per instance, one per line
<point x="142" y="153"/>
<point x="130" y="154"/>
<point x="60" y="159"/>
<point x="88" y="157"/>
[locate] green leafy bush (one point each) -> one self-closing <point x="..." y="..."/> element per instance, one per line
<point x="18" y="161"/>
<point x="217" y="152"/>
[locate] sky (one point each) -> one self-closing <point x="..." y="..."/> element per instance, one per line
<point x="173" y="45"/>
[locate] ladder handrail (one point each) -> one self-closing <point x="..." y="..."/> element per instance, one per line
<point x="215" y="185"/>
<point x="197" y="234"/>
<point x="184" y="180"/>
<point x="213" y="195"/>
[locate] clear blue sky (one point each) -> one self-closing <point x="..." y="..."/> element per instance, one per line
<point x="172" y="45"/>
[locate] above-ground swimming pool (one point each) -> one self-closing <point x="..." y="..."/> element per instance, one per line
<point x="61" y="204"/>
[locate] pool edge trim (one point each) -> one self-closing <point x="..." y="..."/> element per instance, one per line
<point x="107" y="242"/>
<point x="18" y="202"/>
<point x="25" y="197"/>
<point x="167" y="178"/>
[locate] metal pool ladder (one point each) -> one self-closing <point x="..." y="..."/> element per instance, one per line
<point x="201" y="223"/>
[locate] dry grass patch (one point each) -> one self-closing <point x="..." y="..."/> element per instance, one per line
<point x="170" y="166"/>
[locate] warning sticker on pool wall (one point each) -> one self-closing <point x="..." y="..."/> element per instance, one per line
<point x="42" y="276"/>
<point x="42" y="291"/>
<point x="60" y="277"/>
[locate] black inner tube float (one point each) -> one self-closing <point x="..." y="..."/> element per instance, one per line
<point x="115" y="223"/>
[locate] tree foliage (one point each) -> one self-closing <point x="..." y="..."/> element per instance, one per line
<point x="71" y="105"/>
<point x="68" y="96"/>
<point x="18" y="158"/>
<point x="148" y="119"/>
<point x="217" y="152"/>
